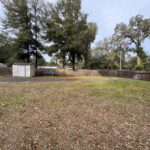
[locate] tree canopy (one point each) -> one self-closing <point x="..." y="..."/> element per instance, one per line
<point x="22" y="23"/>
<point x="68" y="31"/>
<point x="61" y="30"/>
<point x="136" y="32"/>
<point x="114" y="52"/>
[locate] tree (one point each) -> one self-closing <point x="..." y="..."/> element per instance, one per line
<point x="22" y="21"/>
<point x="111" y="53"/>
<point x="121" y="47"/>
<point x="18" y="20"/>
<point x="66" y="30"/>
<point x="36" y="9"/>
<point x="88" y="38"/>
<point x="106" y="53"/>
<point x="6" y="51"/>
<point x="136" y="32"/>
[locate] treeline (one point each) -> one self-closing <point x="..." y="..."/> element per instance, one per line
<point x="116" y="52"/>
<point x="32" y="28"/>
<point x="37" y="27"/>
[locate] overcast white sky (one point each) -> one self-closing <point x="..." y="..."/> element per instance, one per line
<point x="108" y="13"/>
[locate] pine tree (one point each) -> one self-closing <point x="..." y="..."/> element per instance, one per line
<point x="18" y="20"/>
<point x="36" y="10"/>
<point x="22" y="22"/>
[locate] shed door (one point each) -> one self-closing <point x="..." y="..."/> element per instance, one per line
<point x="28" y="71"/>
<point x="21" y="71"/>
<point x="15" y="71"/>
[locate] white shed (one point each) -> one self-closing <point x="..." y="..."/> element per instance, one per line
<point x="23" y="70"/>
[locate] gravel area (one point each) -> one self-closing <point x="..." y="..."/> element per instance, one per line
<point x="34" y="79"/>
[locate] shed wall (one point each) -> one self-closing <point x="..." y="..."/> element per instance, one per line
<point x="23" y="71"/>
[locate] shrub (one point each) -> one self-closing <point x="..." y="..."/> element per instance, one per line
<point x="139" y="67"/>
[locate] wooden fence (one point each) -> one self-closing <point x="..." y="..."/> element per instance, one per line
<point x="5" y="71"/>
<point x="138" y="75"/>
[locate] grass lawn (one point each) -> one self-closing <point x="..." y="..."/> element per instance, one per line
<point x="78" y="115"/>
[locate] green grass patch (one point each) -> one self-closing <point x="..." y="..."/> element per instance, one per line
<point x="11" y="101"/>
<point x="130" y="91"/>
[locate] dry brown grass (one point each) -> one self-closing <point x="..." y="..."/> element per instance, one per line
<point x="78" y="115"/>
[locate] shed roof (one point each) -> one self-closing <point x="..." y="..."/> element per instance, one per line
<point x="25" y="64"/>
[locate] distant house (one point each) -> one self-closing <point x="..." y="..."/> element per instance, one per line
<point x="3" y="65"/>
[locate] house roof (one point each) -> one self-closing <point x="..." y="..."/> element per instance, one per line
<point x="3" y="65"/>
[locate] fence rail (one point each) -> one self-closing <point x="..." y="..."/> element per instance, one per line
<point x="138" y="75"/>
<point x="5" y="71"/>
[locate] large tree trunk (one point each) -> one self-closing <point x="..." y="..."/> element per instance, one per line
<point x="73" y="59"/>
<point x="28" y="55"/>
<point x="36" y="59"/>
<point x="123" y="59"/>
<point x="87" y="60"/>
<point x="86" y="63"/>
<point x="87" y="57"/>
<point x="138" y="55"/>
<point x="64" y="61"/>
<point x="73" y="63"/>
<point x="138" y="60"/>
<point x="64" y="64"/>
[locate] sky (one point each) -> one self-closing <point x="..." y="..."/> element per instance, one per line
<point x="108" y="13"/>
